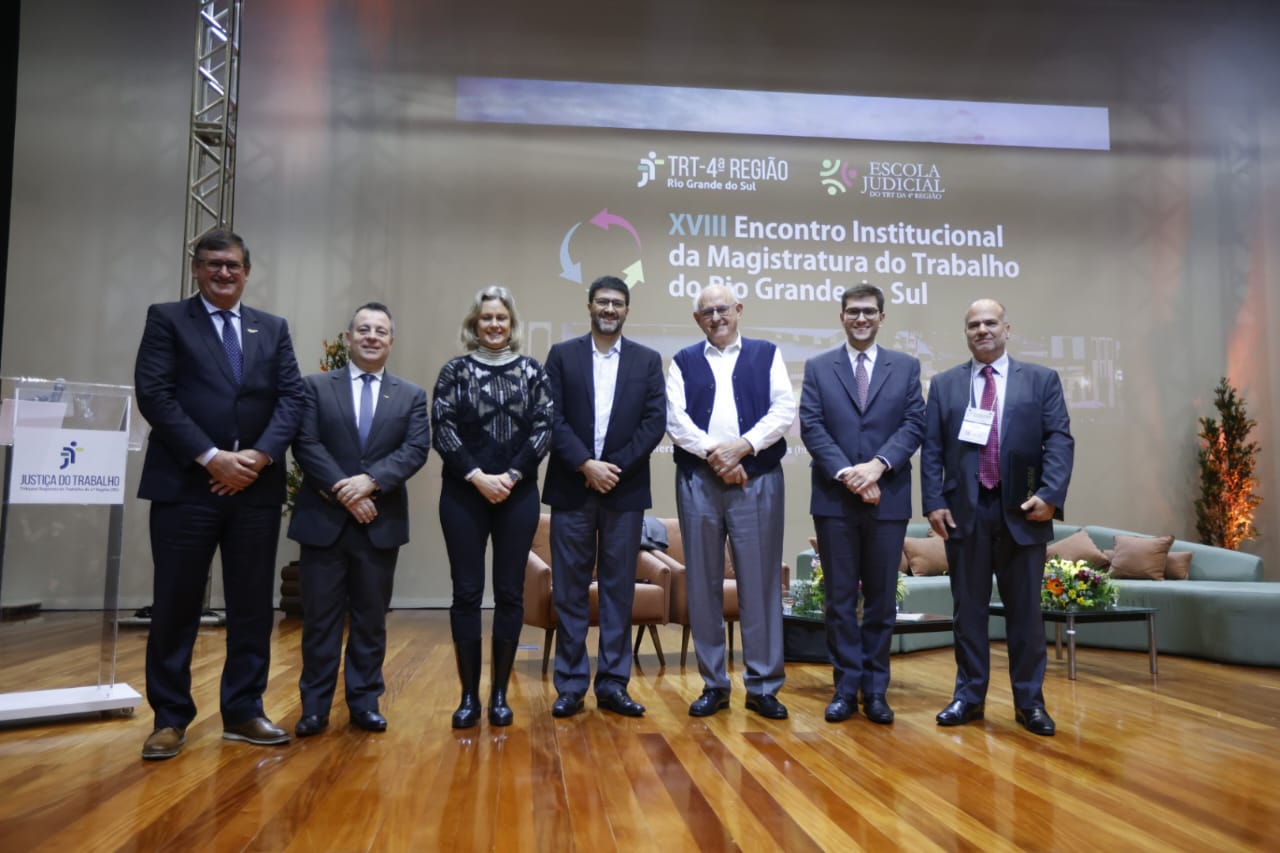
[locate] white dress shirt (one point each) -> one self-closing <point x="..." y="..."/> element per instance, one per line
<point x="604" y="375"/>
<point x="1001" y="369"/>
<point x="723" y="425"/>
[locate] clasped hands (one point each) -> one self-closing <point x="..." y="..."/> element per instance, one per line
<point x="356" y="494"/>
<point x="863" y="480"/>
<point x="600" y="476"/>
<point x="726" y="458"/>
<point x="495" y="488"/>
<point x="233" y="471"/>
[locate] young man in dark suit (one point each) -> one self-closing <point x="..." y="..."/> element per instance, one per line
<point x="610" y="413"/>
<point x="994" y="470"/>
<point x="861" y="418"/>
<point x="364" y="433"/>
<point x="219" y="385"/>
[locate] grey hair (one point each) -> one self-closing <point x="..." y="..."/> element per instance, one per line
<point x="697" y="297"/>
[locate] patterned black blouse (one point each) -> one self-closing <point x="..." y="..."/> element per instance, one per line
<point x="491" y="417"/>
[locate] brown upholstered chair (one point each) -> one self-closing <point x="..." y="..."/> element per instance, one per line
<point x="674" y="558"/>
<point x="652" y="602"/>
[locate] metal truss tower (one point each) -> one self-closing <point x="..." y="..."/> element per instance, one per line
<point x="215" y="97"/>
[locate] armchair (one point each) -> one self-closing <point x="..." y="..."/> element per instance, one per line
<point x="652" y="601"/>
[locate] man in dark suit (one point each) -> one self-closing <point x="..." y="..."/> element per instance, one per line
<point x="861" y="418"/>
<point x="364" y="433"/>
<point x="610" y="413"/>
<point x="219" y="384"/>
<point x="994" y="471"/>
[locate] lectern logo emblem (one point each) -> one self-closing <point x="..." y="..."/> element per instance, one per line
<point x="69" y="455"/>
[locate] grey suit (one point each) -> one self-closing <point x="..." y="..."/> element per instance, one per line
<point x="346" y="565"/>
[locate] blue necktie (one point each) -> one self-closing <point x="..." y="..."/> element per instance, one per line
<point x="231" y="344"/>
<point x="366" y="409"/>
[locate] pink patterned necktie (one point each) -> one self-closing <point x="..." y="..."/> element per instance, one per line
<point x="862" y="381"/>
<point x="989" y="459"/>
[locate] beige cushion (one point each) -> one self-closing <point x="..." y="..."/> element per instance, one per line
<point x="1140" y="557"/>
<point x="1177" y="566"/>
<point x="926" y="557"/>
<point x="1078" y="546"/>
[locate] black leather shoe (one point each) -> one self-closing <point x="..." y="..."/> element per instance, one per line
<point x="876" y="709"/>
<point x="619" y="702"/>
<point x="958" y="713"/>
<point x="370" y="721"/>
<point x="567" y="704"/>
<point x="713" y="699"/>
<point x="311" y="724"/>
<point x="842" y="707"/>
<point x="1036" y="720"/>
<point x="259" y="731"/>
<point x="767" y="706"/>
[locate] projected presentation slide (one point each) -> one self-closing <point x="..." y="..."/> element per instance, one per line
<point x="791" y="198"/>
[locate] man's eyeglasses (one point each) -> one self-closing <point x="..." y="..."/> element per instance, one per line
<point x="232" y="267"/>
<point x="715" y="311"/>
<point x="615" y="304"/>
<point x="854" y="313"/>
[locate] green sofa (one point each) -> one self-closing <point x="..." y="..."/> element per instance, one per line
<point x="1224" y="611"/>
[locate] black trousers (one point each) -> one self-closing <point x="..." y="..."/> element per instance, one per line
<point x="183" y="540"/>
<point x="350" y="576"/>
<point x="470" y="523"/>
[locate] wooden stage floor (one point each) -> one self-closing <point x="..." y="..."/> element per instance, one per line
<point x="1185" y="762"/>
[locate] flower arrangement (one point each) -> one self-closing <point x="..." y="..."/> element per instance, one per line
<point x="1076" y="585"/>
<point x="810" y="594"/>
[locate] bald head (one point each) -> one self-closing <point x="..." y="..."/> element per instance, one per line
<point x="986" y="330"/>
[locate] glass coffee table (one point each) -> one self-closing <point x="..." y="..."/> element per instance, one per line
<point x="804" y="635"/>
<point x="1071" y="618"/>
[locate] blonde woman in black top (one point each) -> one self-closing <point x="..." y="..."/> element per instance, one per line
<point x="491" y="425"/>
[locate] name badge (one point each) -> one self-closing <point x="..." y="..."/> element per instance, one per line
<point x="977" y="425"/>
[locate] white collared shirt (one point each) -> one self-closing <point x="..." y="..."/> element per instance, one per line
<point x="1001" y="368"/>
<point x="357" y="386"/>
<point x="723" y="425"/>
<point x="604" y="375"/>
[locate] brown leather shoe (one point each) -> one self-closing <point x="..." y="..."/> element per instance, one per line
<point x="258" y="730"/>
<point x="163" y="743"/>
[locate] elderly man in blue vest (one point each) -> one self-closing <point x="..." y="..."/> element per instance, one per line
<point x="729" y="402"/>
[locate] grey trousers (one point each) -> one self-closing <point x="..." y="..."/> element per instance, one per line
<point x="750" y="517"/>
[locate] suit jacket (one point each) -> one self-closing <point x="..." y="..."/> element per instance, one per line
<point x="328" y="449"/>
<point x="1035" y="435"/>
<point x="637" y="422"/>
<point x="838" y="434"/>
<point x="186" y="392"/>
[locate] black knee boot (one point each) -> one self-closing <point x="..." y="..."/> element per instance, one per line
<point x="467" y="655"/>
<point x="504" y="656"/>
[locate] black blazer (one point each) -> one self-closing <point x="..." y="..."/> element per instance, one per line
<point x="328" y="449"/>
<point x="186" y="392"/>
<point x="1035" y="435"/>
<point x="636" y="423"/>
